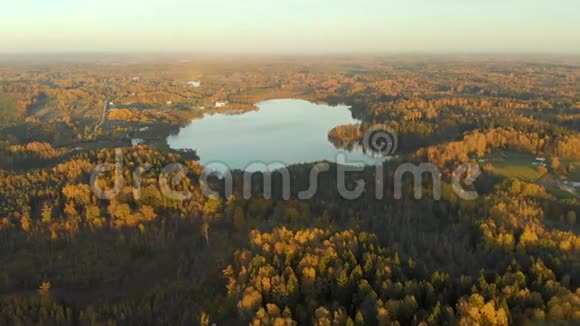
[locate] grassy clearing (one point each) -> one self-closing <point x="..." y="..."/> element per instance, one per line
<point x="7" y="111"/>
<point x="509" y="164"/>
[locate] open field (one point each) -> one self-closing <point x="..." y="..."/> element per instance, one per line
<point x="510" y="164"/>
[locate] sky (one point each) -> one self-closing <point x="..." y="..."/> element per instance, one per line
<point x="290" y="26"/>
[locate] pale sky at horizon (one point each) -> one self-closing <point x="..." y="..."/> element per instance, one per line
<point x="290" y="26"/>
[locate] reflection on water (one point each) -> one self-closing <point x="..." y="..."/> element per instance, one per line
<point x="287" y="131"/>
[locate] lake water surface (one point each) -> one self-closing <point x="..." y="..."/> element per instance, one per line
<point x="288" y="131"/>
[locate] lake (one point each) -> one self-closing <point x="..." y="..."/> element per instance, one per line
<point x="288" y="131"/>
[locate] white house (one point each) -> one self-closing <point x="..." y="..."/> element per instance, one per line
<point x="194" y="83"/>
<point x="137" y="141"/>
<point x="540" y="161"/>
<point x="220" y="104"/>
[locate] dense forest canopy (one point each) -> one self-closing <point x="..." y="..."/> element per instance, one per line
<point x="71" y="257"/>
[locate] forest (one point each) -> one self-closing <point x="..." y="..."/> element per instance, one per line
<point x="71" y="257"/>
